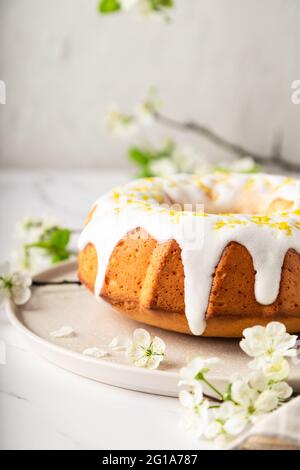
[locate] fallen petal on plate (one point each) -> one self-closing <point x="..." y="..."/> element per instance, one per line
<point x="63" y="332"/>
<point x="95" y="352"/>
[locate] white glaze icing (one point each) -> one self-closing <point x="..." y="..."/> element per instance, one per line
<point x="202" y="234"/>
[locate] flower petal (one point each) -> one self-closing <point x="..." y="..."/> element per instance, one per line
<point x="258" y="381"/>
<point x="158" y="345"/>
<point x="241" y="392"/>
<point x="275" y="328"/>
<point x="285" y="342"/>
<point x="235" y="424"/>
<point x="282" y="390"/>
<point x="63" y="332"/>
<point x="95" y="352"/>
<point x="140" y="362"/>
<point x="225" y="411"/>
<point x="213" y="430"/>
<point x="21" y="279"/>
<point x="119" y="344"/>
<point x="277" y="370"/>
<point x="135" y="352"/>
<point x="142" y="337"/>
<point x="186" y="399"/>
<point x="20" y="295"/>
<point x="154" y="360"/>
<point x="267" y="401"/>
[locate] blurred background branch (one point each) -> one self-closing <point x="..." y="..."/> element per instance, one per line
<point x="236" y="149"/>
<point x="169" y="158"/>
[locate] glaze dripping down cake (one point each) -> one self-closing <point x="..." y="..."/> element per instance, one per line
<point x="207" y="255"/>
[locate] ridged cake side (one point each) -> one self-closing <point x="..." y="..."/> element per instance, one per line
<point x="145" y="281"/>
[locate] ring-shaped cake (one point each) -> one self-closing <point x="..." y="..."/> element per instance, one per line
<point x="207" y="255"/>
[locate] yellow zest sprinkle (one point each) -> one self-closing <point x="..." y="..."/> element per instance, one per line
<point x="206" y="189"/>
<point x="261" y="219"/>
<point x="283" y="226"/>
<point x="229" y="223"/>
<point x="200" y="214"/>
<point x="288" y="180"/>
<point x="159" y="198"/>
<point x="116" y="196"/>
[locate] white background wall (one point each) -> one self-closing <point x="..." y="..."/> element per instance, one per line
<point x="227" y="63"/>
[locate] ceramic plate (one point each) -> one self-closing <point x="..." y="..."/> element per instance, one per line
<point x="95" y="324"/>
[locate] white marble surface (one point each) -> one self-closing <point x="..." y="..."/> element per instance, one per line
<point x="42" y="406"/>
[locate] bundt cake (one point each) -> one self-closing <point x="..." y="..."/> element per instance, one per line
<point x="207" y="255"/>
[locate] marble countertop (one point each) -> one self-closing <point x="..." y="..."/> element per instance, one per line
<point x="42" y="406"/>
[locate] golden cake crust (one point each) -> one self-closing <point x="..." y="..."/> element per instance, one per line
<point x="145" y="281"/>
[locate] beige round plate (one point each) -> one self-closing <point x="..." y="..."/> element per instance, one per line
<point x="95" y="324"/>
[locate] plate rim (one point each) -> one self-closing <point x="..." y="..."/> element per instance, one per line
<point x="34" y="340"/>
<point x="12" y="312"/>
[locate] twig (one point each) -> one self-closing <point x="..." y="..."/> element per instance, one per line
<point x="275" y="158"/>
<point x="213" y="399"/>
<point x="56" y="283"/>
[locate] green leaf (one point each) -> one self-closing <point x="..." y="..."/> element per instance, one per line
<point x="144" y="173"/>
<point x="60" y="238"/>
<point x="57" y="258"/>
<point x="54" y="242"/>
<point x="166" y="3"/>
<point x="158" y="5"/>
<point x="138" y="156"/>
<point x="109" y="6"/>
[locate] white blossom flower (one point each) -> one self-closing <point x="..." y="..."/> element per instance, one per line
<point x="248" y="397"/>
<point x="144" y="114"/>
<point x="146" y="110"/>
<point x="120" y="124"/>
<point x="265" y="402"/>
<point x="29" y="229"/>
<point x="163" y="167"/>
<point x="254" y="401"/>
<point x="146" y="351"/>
<point x="239" y="165"/>
<point x="276" y="370"/>
<point x="241" y="392"/>
<point x="196" y="410"/>
<point x="146" y="8"/>
<point x="128" y="4"/>
<point x="196" y="368"/>
<point x="282" y="390"/>
<point x="263" y="343"/>
<point x="14" y="285"/>
<point x="260" y="382"/>
<point x="95" y="352"/>
<point x="36" y="262"/>
<point x="188" y="160"/>
<point x="229" y="421"/>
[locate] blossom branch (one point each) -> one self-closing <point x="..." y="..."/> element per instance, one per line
<point x="56" y="283"/>
<point x="275" y="158"/>
<point x="247" y="397"/>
